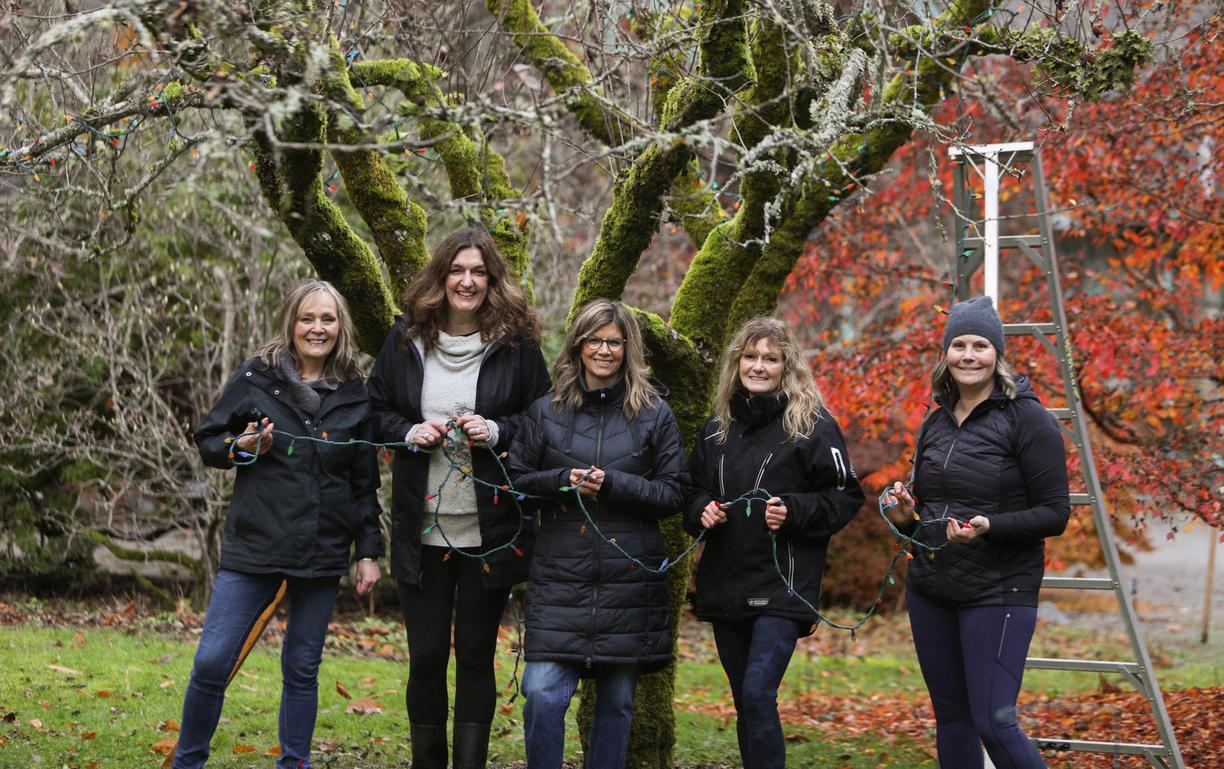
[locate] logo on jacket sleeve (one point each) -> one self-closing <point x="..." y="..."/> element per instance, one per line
<point x="758" y="602"/>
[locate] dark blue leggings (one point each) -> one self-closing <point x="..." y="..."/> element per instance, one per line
<point x="973" y="660"/>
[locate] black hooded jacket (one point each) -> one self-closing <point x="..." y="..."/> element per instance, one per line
<point x="300" y="507"/>
<point x="510" y="378"/>
<point x="586" y="602"/>
<point x="737" y="578"/>
<point x="1006" y="461"/>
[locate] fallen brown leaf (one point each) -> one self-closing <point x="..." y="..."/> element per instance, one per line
<point x="66" y="671"/>
<point x="273" y="751"/>
<point x="366" y="706"/>
<point x="36" y="723"/>
<point x="78" y="640"/>
<point x="103" y="693"/>
<point x="88" y="735"/>
<point x="244" y="749"/>
<point x="169" y="725"/>
<point x="343" y="691"/>
<point x="164" y="746"/>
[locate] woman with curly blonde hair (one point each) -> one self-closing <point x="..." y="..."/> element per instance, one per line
<point x="770" y="447"/>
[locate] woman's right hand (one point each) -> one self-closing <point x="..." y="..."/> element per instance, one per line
<point x="261" y="437"/>
<point x="898" y="504"/>
<point x="713" y="514"/>
<point x="428" y="433"/>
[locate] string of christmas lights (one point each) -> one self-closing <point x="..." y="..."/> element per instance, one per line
<point x="454" y="441"/>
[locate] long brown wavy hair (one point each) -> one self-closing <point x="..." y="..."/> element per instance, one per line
<point x="568" y="366"/>
<point x="341" y="363"/>
<point x="504" y="315"/>
<point x="803" y="400"/>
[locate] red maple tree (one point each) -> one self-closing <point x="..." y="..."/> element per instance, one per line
<point x="1134" y="186"/>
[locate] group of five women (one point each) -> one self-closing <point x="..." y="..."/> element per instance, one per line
<point x="592" y="462"/>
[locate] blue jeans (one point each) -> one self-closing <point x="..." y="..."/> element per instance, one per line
<point x="549" y="687"/>
<point x="755" y="654"/>
<point x="238" y="600"/>
<point x="973" y="661"/>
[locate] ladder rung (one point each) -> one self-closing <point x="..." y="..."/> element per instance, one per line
<point x="1018" y="329"/>
<point x="1088" y="746"/>
<point x="1066" y="414"/>
<point x="1086" y="666"/>
<point x="1005" y="241"/>
<point x="977" y="150"/>
<point x="1077" y="583"/>
<point x="1080" y="498"/>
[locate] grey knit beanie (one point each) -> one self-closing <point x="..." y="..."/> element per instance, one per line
<point x="975" y="316"/>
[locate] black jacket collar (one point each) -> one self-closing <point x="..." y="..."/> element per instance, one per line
<point x="757" y="410"/>
<point x="613" y="393"/>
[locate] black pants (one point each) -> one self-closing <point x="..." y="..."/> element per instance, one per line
<point x="451" y="587"/>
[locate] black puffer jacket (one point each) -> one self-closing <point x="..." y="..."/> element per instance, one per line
<point x="1006" y="461"/>
<point x="511" y="377"/>
<point x="295" y="513"/>
<point x="586" y="602"/>
<point x="737" y="578"/>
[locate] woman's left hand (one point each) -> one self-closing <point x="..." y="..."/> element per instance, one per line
<point x="965" y="532"/>
<point x="368" y="575"/>
<point x="474" y="426"/>
<point x="775" y="513"/>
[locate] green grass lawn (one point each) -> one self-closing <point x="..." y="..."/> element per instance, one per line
<point x="85" y="696"/>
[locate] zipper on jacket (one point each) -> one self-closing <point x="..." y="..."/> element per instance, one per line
<point x="595" y="584"/>
<point x="790" y="556"/>
<point x="760" y="476"/>
<point x="722" y="486"/>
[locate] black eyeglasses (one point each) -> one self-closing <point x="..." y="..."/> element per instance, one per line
<point x="593" y="343"/>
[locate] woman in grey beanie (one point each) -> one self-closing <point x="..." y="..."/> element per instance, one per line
<point x="990" y="477"/>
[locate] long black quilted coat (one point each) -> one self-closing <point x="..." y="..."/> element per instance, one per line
<point x="587" y="602"/>
<point x="1006" y="461"/>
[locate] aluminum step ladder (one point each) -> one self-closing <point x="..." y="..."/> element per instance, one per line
<point x="978" y="246"/>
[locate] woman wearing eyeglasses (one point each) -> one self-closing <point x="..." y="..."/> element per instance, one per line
<point x="593" y="611"/>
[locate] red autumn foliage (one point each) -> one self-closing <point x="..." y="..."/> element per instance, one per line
<point x="1134" y="186"/>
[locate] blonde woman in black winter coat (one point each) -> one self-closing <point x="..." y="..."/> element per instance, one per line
<point x="769" y="432"/>
<point x="592" y="612"/>
<point x="298" y="509"/>
<point x="991" y="460"/>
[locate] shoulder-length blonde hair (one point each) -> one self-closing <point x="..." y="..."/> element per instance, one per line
<point x="567" y="392"/>
<point x="803" y="400"/>
<point x="943" y="384"/>
<point x="503" y="315"/>
<point x="341" y="363"/>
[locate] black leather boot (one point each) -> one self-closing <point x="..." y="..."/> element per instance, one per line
<point x="428" y="746"/>
<point x="471" y="746"/>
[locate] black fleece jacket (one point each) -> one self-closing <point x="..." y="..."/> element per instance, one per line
<point x="737" y="578"/>
<point x="1006" y="461"/>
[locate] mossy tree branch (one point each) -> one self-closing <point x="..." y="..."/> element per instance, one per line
<point x="397" y="224"/>
<point x="637" y="199"/>
<point x="476" y="172"/>
<point x="727" y="257"/>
